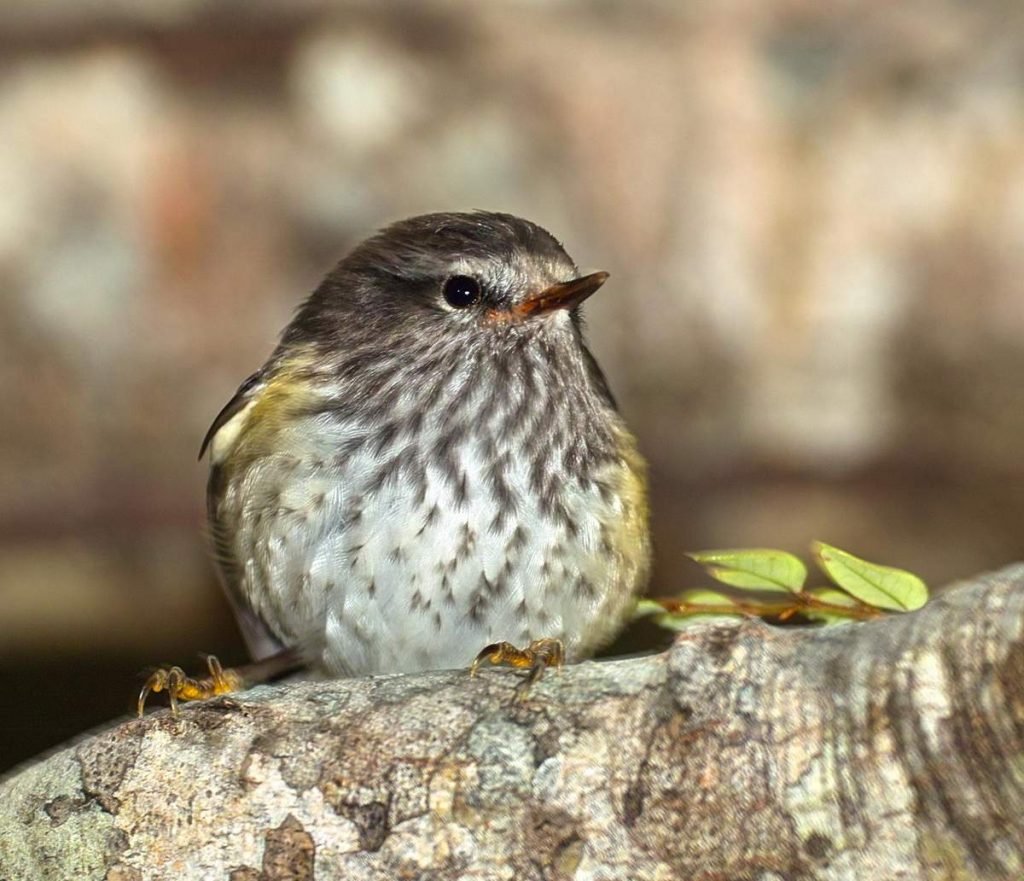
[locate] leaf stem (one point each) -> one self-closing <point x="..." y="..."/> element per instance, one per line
<point x="796" y="603"/>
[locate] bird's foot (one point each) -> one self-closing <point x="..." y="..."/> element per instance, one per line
<point x="537" y="657"/>
<point x="180" y="687"/>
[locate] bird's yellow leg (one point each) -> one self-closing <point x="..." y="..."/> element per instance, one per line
<point x="537" y="656"/>
<point x="180" y="687"/>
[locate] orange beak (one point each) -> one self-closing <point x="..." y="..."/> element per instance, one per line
<point x="564" y="295"/>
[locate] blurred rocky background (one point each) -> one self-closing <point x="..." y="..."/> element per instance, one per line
<point x="813" y="215"/>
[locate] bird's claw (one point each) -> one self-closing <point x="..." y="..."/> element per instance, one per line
<point x="537" y="656"/>
<point x="180" y="687"/>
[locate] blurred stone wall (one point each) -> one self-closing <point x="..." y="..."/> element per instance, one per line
<point x="813" y="215"/>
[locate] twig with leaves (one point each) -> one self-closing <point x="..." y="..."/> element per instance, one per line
<point x="861" y="591"/>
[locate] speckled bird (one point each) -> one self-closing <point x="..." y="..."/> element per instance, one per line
<point x="431" y="462"/>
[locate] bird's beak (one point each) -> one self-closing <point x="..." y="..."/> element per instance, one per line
<point x="564" y="295"/>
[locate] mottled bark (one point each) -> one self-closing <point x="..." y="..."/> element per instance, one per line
<point x="892" y="749"/>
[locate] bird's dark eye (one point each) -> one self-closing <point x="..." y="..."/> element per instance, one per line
<point x="461" y="291"/>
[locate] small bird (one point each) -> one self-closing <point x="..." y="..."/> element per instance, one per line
<point x="431" y="463"/>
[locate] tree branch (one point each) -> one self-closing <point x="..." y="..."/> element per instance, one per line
<point x="889" y="749"/>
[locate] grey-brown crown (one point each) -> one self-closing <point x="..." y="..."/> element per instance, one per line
<point x="396" y="276"/>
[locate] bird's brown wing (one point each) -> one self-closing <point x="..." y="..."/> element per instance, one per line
<point x="261" y="642"/>
<point x="241" y="399"/>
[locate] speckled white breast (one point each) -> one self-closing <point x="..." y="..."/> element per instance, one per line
<point x="378" y="557"/>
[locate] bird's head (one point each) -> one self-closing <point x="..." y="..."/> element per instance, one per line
<point x="479" y="276"/>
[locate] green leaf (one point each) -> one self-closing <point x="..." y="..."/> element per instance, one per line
<point x="705" y="597"/>
<point x="836" y="597"/>
<point x="754" y="569"/>
<point x="646" y="608"/>
<point x="881" y="586"/>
